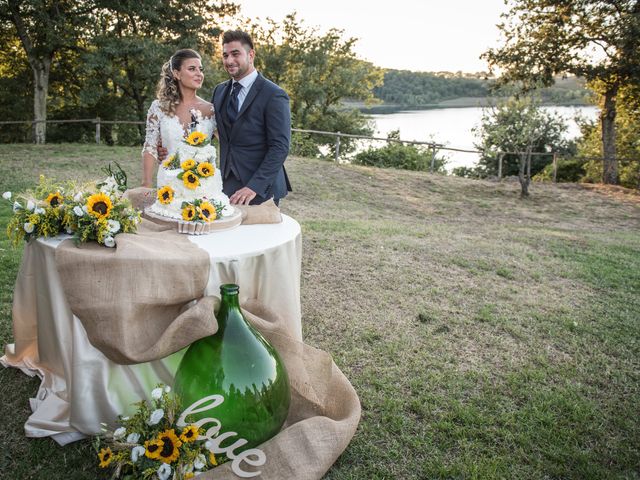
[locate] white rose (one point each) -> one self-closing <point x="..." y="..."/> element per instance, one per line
<point x="77" y="197"/>
<point x="30" y="205"/>
<point x="167" y="389"/>
<point x="39" y="210"/>
<point x="133" y="438"/>
<point x="6" y="195"/>
<point x="119" y="433"/>
<point x="227" y="211"/>
<point x="28" y="227"/>
<point x="208" y="445"/>
<point x="156" y="393"/>
<point x="109" y="242"/>
<point x="200" y="462"/>
<point x="16" y="207"/>
<point x="155" y="417"/>
<point x="136" y="453"/>
<point x="164" y="471"/>
<point x="85" y="209"/>
<point x="78" y="211"/>
<point x="113" y="225"/>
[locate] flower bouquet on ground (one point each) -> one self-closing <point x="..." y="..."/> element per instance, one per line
<point x="95" y="211"/>
<point x="150" y="445"/>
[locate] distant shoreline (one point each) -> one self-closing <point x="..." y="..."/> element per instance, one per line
<point x="463" y="102"/>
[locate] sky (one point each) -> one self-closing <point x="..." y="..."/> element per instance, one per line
<point x="428" y="35"/>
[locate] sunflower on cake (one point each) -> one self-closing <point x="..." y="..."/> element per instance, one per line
<point x="190" y="185"/>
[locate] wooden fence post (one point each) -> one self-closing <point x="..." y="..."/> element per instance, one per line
<point x="555" y="167"/>
<point x="337" y="147"/>
<point x="433" y="157"/>
<point x="97" y="130"/>
<point x="500" y="156"/>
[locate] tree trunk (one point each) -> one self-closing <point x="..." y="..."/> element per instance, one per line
<point x="41" y="70"/>
<point x="523" y="177"/>
<point x="607" y="119"/>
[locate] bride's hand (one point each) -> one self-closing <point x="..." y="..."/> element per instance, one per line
<point x="162" y="154"/>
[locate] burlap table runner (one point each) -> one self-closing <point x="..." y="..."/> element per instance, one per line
<point x="324" y="412"/>
<point x="135" y="308"/>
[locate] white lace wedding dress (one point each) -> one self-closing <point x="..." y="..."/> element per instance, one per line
<point x="168" y="131"/>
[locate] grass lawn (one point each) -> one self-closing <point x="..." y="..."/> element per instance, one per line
<point x="487" y="336"/>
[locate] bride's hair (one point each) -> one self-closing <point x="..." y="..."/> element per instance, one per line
<point x="168" y="93"/>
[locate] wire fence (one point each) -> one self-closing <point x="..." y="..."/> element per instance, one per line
<point x="433" y="147"/>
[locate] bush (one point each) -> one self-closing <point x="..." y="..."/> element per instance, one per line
<point x="465" y="172"/>
<point x="303" y="145"/>
<point x="569" y="170"/>
<point x="399" y="155"/>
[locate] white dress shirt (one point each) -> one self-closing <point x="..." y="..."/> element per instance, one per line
<point x="246" y="83"/>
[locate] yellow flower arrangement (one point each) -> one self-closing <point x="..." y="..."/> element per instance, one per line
<point x="189" y="434"/>
<point x="188" y="213"/>
<point x="170" y="446"/>
<point x="205" y="169"/>
<point x="99" y="205"/>
<point x="54" y="199"/>
<point x="167" y="163"/>
<point x="105" y="456"/>
<point x="165" y="195"/>
<point x="160" y="445"/>
<point x="207" y="212"/>
<point x="153" y="448"/>
<point x="188" y="164"/>
<point x="196" y="138"/>
<point x="191" y="180"/>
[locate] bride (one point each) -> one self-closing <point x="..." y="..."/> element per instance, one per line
<point x="176" y="110"/>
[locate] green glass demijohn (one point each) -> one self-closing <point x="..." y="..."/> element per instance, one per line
<point x="238" y="363"/>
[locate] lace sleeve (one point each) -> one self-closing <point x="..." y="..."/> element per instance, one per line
<point x="153" y="130"/>
<point x="213" y="120"/>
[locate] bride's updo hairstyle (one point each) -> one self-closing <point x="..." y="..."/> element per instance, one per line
<point x="169" y="94"/>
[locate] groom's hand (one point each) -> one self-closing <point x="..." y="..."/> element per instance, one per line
<point x="162" y="153"/>
<point x="242" y="196"/>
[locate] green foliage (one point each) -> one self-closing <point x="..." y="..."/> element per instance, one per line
<point x="518" y="125"/>
<point x="399" y="155"/>
<point x="403" y="87"/>
<point x="569" y="170"/>
<point x="318" y="71"/>
<point x="465" y="172"/>
<point x="627" y="124"/>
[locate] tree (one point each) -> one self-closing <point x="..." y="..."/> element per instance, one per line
<point x="45" y="29"/>
<point x="318" y="71"/>
<point x="516" y="129"/>
<point x="597" y="40"/>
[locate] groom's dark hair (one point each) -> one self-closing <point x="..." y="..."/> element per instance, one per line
<point x="237" y="36"/>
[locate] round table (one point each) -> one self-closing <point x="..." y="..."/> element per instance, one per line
<point x="81" y="387"/>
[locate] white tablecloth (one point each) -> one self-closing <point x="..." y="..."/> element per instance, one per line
<point x="80" y="386"/>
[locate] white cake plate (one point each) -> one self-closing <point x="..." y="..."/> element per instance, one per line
<point x="198" y="228"/>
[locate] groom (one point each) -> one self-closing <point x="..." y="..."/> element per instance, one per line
<point x="254" y="127"/>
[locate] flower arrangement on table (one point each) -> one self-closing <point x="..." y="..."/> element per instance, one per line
<point x="94" y="211"/>
<point x="148" y="444"/>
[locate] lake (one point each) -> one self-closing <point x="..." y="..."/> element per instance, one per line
<point x="452" y="127"/>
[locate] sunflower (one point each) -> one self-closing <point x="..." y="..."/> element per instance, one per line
<point x="153" y="448"/>
<point x="165" y="195"/>
<point x="54" y="199"/>
<point x="189" y="434"/>
<point x="205" y="169"/>
<point x="191" y="180"/>
<point x="188" y="164"/>
<point x="188" y="213"/>
<point x="105" y="456"/>
<point x="167" y="163"/>
<point x="207" y="212"/>
<point x="196" y="138"/>
<point x="99" y="205"/>
<point x="170" y="448"/>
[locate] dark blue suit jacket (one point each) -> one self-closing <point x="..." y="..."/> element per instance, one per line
<point x="253" y="150"/>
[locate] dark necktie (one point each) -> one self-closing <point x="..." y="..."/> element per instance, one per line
<point x="232" y="108"/>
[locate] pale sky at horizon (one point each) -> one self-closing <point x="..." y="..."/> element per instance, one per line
<point x="429" y="35"/>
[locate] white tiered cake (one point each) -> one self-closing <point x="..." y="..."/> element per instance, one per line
<point x="190" y="186"/>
